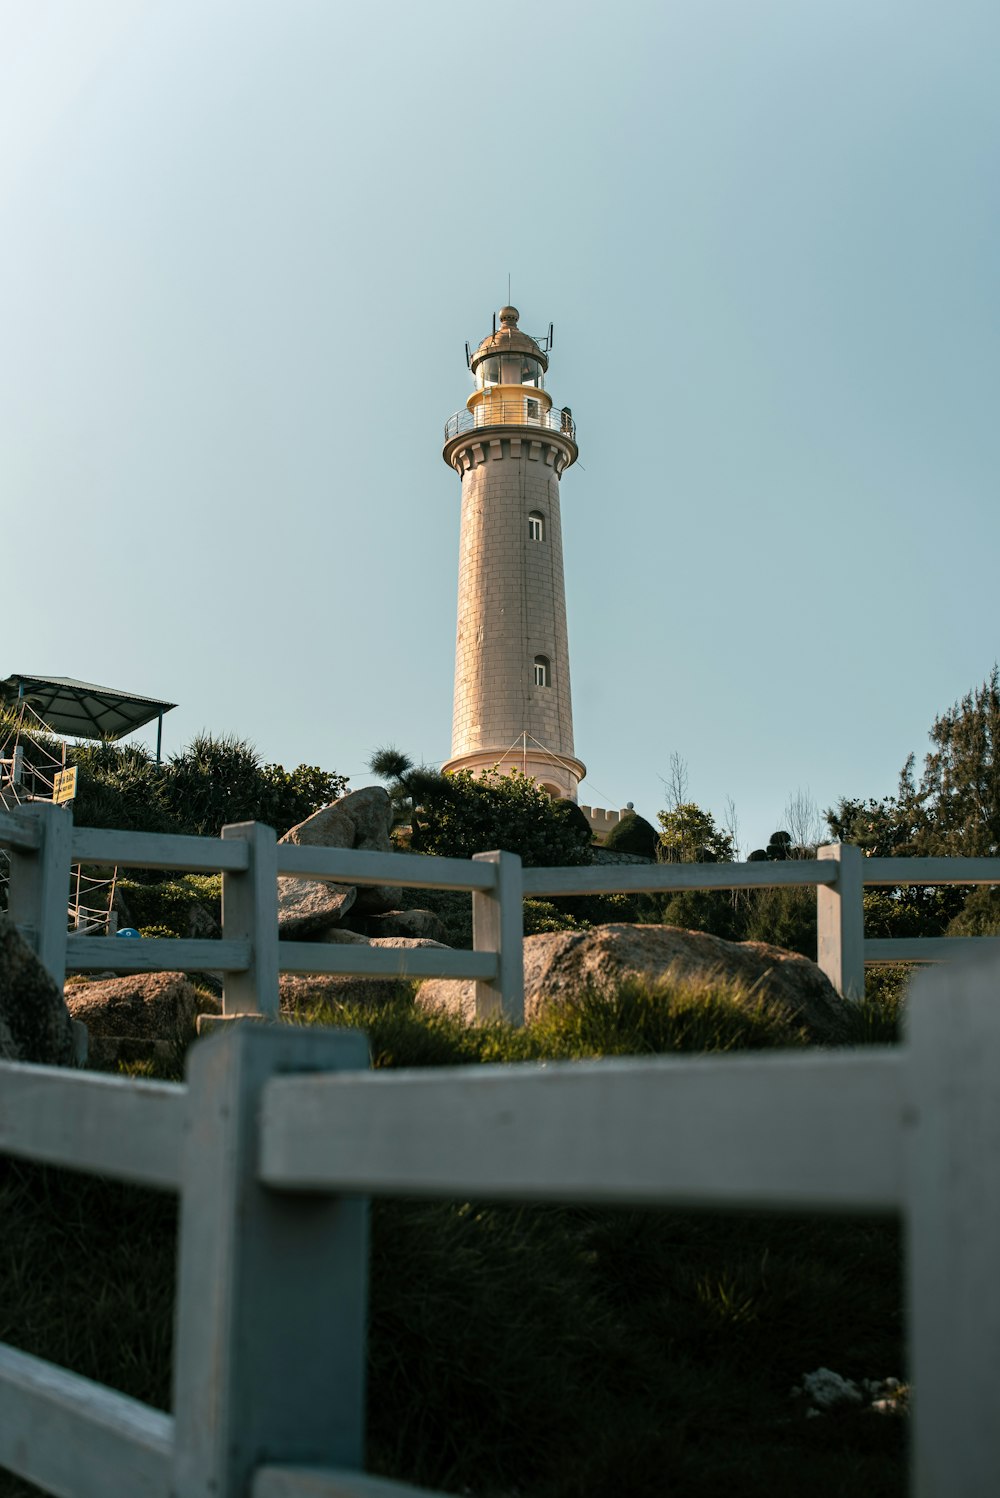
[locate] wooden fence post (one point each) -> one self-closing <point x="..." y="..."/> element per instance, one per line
<point x="38" y="898"/>
<point x="269" y="1352"/>
<point x="953" y="1228"/>
<point x="250" y="913"/>
<point x="840" y="921"/>
<point x="498" y="926"/>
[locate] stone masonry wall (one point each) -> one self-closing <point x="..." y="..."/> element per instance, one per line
<point x="511" y="603"/>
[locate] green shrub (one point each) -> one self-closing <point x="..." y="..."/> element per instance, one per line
<point x="463" y="814"/>
<point x="170" y="904"/>
<point x="633" y="834"/>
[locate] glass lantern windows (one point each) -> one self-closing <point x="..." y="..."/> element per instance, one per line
<point x="509" y="369"/>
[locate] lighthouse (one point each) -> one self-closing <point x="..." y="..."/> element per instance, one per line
<point x="510" y="447"/>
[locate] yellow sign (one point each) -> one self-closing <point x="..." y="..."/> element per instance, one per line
<point x="64" y="785"/>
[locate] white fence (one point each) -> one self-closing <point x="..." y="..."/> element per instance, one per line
<point x="44" y="845"/>
<point x="280" y="1134"/>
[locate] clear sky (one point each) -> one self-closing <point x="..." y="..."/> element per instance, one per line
<point x="243" y="242"/>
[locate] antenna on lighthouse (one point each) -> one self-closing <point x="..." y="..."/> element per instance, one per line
<point x="468" y="355"/>
<point x="551" y="332"/>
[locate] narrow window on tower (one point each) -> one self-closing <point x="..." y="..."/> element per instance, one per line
<point x="536" y="526"/>
<point x="541" y="670"/>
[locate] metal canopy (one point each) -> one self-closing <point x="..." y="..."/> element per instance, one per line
<point x="81" y="709"/>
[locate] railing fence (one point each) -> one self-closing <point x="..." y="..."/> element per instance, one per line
<point x="279" y="1135"/>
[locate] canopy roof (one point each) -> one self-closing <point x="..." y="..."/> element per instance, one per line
<point x="81" y="709"/>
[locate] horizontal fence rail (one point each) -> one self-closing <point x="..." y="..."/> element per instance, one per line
<point x="250" y="956"/>
<point x="621" y="879"/>
<point x="279" y="1133"/>
<point x="113" y="1126"/>
<point x="701" y="1133"/>
<point x="71" y="1436"/>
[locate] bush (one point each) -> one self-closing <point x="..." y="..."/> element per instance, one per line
<point x="633" y="834"/>
<point x="463" y="814"/>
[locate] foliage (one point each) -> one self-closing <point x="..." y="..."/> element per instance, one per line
<point x="215" y="781"/>
<point x="784" y="917"/>
<point x="690" y="835"/>
<point x="120" y="785"/>
<point x="463" y="814"/>
<point x="633" y="834"/>
<point x="173" y="905"/>
<point x="959" y="793"/>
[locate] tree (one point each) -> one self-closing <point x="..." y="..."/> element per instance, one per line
<point x="959" y="793"/>
<point x="690" y="835"/>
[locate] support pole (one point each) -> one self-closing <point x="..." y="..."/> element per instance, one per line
<point x="840" y="933"/>
<point x="953" y="1228"/>
<point x="269" y="1360"/>
<point x="498" y="926"/>
<point x="250" y="913"/>
<point x="38" y="898"/>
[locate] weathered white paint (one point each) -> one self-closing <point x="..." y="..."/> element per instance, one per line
<point x="250" y="914"/>
<point x="932" y="870"/>
<point x="802" y="1131"/>
<point x="359" y="866"/>
<point x="640" y="878"/>
<point x="112" y="1126"/>
<point x="953" y="1228"/>
<point x="498" y="926"/>
<point x="76" y="1438"/>
<point x="385" y="962"/>
<point x="270" y="1348"/>
<point x="156" y="955"/>
<point x="17" y="831"/>
<point x="38" y="892"/>
<point x="927" y="948"/>
<point x="157" y="850"/>
<point x="324" y="1482"/>
<point x="840" y="937"/>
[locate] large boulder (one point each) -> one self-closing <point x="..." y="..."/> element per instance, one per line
<point x="35" y="1024"/>
<point x="361" y="819"/>
<point x="303" y="991"/>
<point x="309" y="907"/>
<point x="560" y="964"/>
<point x="140" y="1018"/>
<point x="146" y="1006"/>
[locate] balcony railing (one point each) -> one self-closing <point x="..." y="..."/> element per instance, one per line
<point x="525" y="411"/>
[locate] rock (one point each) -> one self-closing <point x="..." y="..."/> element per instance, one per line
<point x="304" y="990"/>
<point x="148" y="1007"/>
<point x="559" y="964"/>
<point x="201" y="923"/>
<point x="407" y="923"/>
<point x="309" y="907"/>
<point x="35" y="1024"/>
<point x="361" y="819"/>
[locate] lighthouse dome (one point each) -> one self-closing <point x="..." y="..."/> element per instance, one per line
<point x="508" y="356"/>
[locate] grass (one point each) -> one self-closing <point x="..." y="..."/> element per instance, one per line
<point x="552" y="1352"/>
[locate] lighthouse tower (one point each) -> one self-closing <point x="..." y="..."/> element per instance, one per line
<point x="510" y="447"/>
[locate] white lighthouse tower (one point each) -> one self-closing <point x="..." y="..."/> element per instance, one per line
<point x="510" y="447"/>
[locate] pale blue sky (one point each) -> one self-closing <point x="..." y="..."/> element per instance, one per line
<point x="241" y="248"/>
